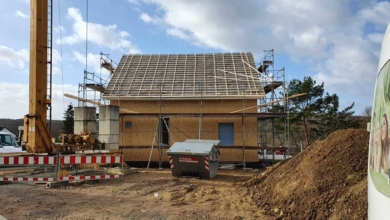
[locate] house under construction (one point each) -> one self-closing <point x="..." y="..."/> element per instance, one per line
<point x="174" y="97"/>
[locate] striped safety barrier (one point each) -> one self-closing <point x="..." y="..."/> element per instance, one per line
<point x="53" y="179"/>
<point x="93" y="177"/>
<point x="43" y="168"/>
<point x="28" y="160"/>
<point x="171" y="163"/>
<point x="85" y="159"/>
<point x="206" y="163"/>
<point x="28" y="179"/>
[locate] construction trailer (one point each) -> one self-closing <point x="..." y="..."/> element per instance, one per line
<point x="169" y="98"/>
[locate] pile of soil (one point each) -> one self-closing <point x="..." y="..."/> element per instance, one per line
<point x="327" y="180"/>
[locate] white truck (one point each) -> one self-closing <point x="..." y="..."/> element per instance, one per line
<point x="8" y="144"/>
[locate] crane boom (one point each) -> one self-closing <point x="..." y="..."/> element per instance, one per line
<point x="37" y="123"/>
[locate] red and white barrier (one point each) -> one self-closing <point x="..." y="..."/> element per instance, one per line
<point x="206" y="163"/>
<point x="67" y="178"/>
<point x="93" y="177"/>
<point x="22" y="172"/>
<point x="171" y="163"/>
<point x="28" y="160"/>
<point x="28" y="179"/>
<point x="85" y="159"/>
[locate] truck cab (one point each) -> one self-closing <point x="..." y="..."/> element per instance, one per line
<point x="8" y="144"/>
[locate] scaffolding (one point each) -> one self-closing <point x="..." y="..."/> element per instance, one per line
<point x="273" y="131"/>
<point x="94" y="85"/>
<point x="163" y="83"/>
<point x="166" y="128"/>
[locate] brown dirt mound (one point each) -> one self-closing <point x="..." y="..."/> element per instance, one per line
<point x="325" y="181"/>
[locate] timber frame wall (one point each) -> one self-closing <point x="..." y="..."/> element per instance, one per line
<point x="185" y="118"/>
<point x="195" y="92"/>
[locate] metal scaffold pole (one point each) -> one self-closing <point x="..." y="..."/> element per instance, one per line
<point x="243" y="90"/>
<point x="201" y="111"/>
<point x="160" y="132"/>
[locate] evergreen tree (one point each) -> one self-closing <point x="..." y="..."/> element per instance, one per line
<point x="314" y="109"/>
<point x="303" y="108"/>
<point x="68" y="123"/>
<point x="331" y="119"/>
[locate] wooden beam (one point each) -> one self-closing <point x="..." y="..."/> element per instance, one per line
<point x="268" y="103"/>
<point x="126" y="111"/>
<point x="96" y="103"/>
<point x="82" y="99"/>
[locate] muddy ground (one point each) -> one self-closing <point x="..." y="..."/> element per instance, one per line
<point x="152" y="195"/>
<point x="328" y="180"/>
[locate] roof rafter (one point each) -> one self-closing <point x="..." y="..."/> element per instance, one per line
<point x="185" y="76"/>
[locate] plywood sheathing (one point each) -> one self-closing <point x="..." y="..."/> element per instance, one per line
<point x="227" y="155"/>
<point x="143" y="129"/>
<point x="187" y="106"/>
<point x="141" y="154"/>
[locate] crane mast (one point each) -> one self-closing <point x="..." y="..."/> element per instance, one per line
<point x="37" y="123"/>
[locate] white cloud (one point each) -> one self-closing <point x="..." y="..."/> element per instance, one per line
<point x="297" y="28"/>
<point x="351" y="63"/>
<point x="311" y="42"/>
<point x="351" y="69"/>
<point x="103" y="36"/>
<point x="146" y="18"/>
<point x="93" y="63"/>
<point x="14" y="58"/>
<point x="57" y="29"/>
<point x="56" y="70"/>
<point x="60" y="102"/>
<point x="21" y="14"/>
<point x="56" y="56"/>
<point x="375" y="37"/>
<point x="378" y="13"/>
<point x="329" y="37"/>
<point x="15" y="97"/>
<point x="134" y="2"/>
<point x="19" y="58"/>
<point x="124" y="34"/>
<point x="178" y="33"/>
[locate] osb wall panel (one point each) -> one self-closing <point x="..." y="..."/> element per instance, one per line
<point x="140" y="134"/>
<point x="183" y="128"/>
<point x="143" y="130"/>
<point x="143" y="154"/>
<point x="227" y="155"/>
<point x="236" y="155"/>
<point x="189" y="106"/>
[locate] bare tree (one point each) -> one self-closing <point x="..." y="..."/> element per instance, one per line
<point x="367" y="111"/>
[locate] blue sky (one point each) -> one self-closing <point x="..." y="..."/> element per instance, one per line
<point x="336" y="42"/>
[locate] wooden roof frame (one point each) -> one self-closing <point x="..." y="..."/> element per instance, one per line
<point x="185" y="77"/>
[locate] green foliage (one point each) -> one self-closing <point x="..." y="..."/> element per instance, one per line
<point x="306" y="105"/>
<point x="68" y="123"/>
<point x="313" y="115"/>
<point x="331" y="119"/>
<point x="326" y="121"/>
<point x="303" y="108"/>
